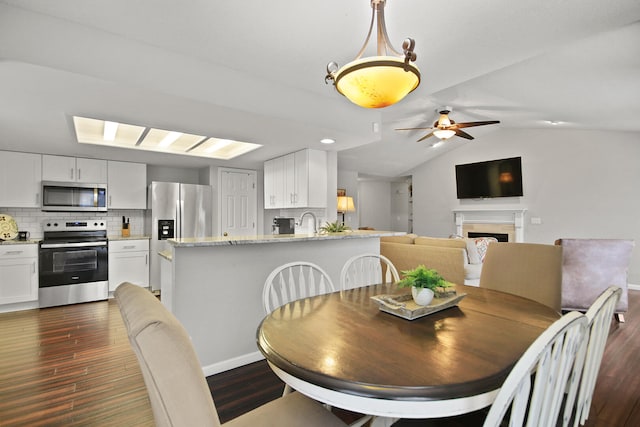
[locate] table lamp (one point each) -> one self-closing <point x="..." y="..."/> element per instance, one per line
<point x="345" y="204"/>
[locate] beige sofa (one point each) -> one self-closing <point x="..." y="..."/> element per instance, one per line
<point x="457" y="260"/>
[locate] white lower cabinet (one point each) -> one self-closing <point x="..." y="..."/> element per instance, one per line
<point x="18" y="273"/>
<point x="128" y="262"/>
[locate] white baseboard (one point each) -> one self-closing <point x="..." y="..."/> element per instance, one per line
<point x="633" y="287"/>
<point x="236" y="362"/>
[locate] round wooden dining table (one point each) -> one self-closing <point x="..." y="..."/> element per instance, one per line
<point x="341" y="349"/>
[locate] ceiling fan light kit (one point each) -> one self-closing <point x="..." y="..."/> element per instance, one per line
<point x="445" y="128"/>
<point x="377" y="81"/>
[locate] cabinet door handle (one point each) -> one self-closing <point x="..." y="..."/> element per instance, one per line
<point x="109" y="200"/>
<point x="33" y="269"/>
<point x="13" y="252"/>
<point x="146" y="259"/>
<point x="79" y="170"/>
<point x="128" y="247"/>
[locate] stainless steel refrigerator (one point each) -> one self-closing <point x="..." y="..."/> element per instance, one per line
<point x="175" y="211"/>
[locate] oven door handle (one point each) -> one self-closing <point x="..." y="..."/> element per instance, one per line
<point x="71" y="245"/>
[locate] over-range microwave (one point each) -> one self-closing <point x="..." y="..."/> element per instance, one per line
<point x="73" y="197"/>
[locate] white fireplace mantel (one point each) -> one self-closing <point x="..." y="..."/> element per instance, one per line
<point x="491" y="215"/>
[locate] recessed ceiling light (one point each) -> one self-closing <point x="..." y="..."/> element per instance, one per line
<point x="327" y="140"/>
<point x="554" y="122"/>
<point x="101" y="132"/>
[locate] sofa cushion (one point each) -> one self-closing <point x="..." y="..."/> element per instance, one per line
<point x="441" y="242"/>
<point x="482" y="243"/>
<point x="407" y="239"/>
<point x="449" y="262"/>
<point x="472" y="252"/>
<point x="472" y="274"/>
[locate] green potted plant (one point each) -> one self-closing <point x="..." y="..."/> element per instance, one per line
<point x="334" y="227"/>
<point x="424" y="282"/>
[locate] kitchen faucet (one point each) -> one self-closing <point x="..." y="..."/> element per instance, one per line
<point x="315" y="220"/>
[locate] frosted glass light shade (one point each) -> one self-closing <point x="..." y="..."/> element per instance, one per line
<point x="377" y="81"/>
<point x="444" y="133"/>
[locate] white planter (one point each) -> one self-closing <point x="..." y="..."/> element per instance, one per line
<point x="422" y="296"/>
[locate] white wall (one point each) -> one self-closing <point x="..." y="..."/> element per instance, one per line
<point x="579" y="183"/>
<point x="400" y="206"/>
<point x="374" y="201"/>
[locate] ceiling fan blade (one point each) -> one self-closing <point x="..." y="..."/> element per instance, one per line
<point x="426" y="136"/>
<point x="471" y="124"/>
<point x="463" y="134"/>
<point x="414" y="128"/>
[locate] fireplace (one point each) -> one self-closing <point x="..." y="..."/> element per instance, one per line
<point x="507" y="225"/>
<point x="500" y="237"/>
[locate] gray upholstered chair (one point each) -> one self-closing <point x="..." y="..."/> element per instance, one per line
<point x="589" y="266"/>
<point x="529" y="270"/>
<point x="177" y="388"/>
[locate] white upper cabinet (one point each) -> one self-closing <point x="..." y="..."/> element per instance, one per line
<point x="20" y="179"/>
<point x="73" y="169"/>
<point x="127" y="185"/>
<point x="297" y="180"/>
<point x="274" y="183"/>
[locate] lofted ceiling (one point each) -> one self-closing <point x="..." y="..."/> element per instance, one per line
<point x="254" y="71"/>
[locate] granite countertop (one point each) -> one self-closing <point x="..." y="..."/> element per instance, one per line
<point x="168" y="255"/>
<point x="132" y="237"/>
<point x="281" y="238"/>
<point x="20" y="242"/>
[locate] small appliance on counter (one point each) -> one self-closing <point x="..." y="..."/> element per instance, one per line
<point x="283" y="225"/>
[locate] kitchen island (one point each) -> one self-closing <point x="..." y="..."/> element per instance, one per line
<point x="215" y="284"/>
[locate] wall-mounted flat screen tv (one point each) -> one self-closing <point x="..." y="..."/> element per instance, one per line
<point x="493" y="178"/>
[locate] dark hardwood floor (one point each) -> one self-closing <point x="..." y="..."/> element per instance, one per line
<point x="73" y="365"/>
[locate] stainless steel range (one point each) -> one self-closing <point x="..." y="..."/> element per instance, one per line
<point x="73" y="262"/>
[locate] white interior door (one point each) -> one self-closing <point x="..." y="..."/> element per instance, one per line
<point x="238" y="204"/>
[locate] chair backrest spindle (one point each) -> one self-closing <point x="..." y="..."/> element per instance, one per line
<point x="294" y="281"/>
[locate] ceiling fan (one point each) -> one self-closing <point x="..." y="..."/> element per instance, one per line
<point x="445" y="128"/>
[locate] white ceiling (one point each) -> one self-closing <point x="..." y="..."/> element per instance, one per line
<point x="254" y="71"/>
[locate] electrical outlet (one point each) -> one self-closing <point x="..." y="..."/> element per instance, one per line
<point x="536" y="220"/>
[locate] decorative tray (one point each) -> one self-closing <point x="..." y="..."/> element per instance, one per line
<point x="403" y="305"/>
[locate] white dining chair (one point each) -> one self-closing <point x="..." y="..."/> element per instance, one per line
<point x="367" y="269"/>
<point x="535" y="388"/>
<point x="294" y="281"/>
<point x="586" y="372"/>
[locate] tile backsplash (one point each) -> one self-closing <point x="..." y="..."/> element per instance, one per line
<point x="31" y="219"/>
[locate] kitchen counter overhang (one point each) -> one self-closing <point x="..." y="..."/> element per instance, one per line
<point x="279" y="238"/>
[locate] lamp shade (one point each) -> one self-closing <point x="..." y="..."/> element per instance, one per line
<point x="377" y="81"/>
<point x="345" y="204"/>
<point x="444" y="133"/>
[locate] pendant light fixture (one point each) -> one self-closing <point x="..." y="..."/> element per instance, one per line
<point x="377" y="81"/>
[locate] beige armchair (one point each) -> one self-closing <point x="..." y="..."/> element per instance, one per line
<point x="589" y="266"/>
<point x="177" y="388"/>
<point x="529" y="270"/>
